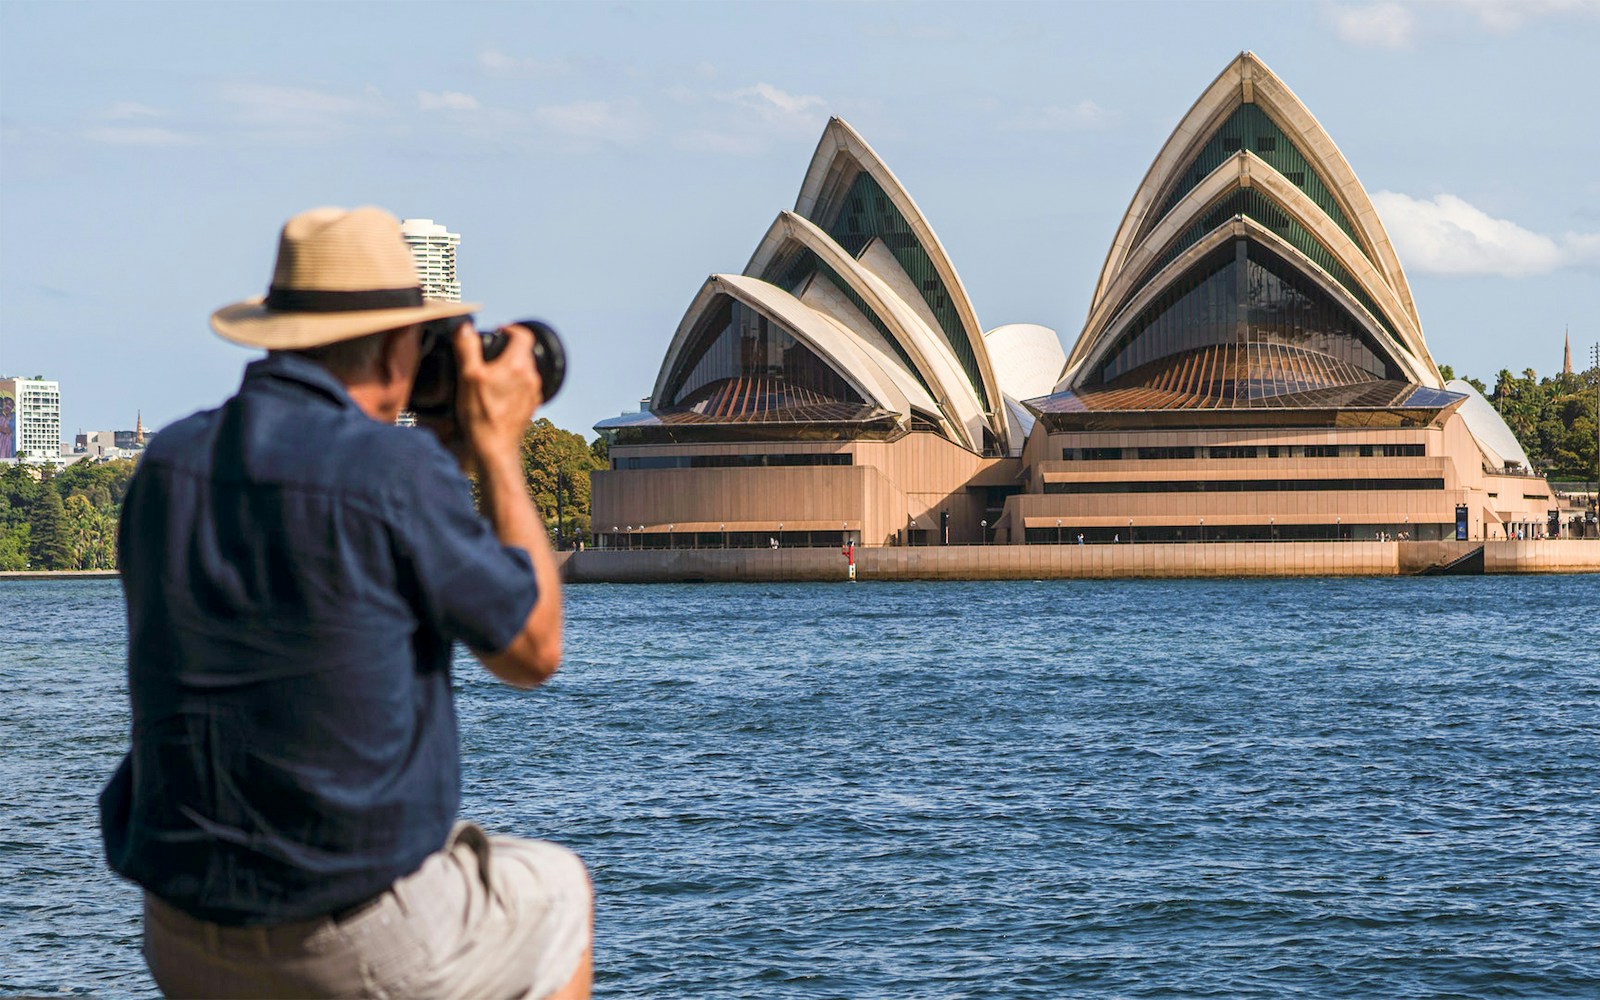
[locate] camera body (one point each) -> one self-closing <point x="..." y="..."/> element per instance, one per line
<point x="433" y="394"/>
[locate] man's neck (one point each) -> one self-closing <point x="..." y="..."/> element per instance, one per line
<point x="378" y="401"/>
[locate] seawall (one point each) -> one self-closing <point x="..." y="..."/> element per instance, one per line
<point x="1039" y="562"/>
<point x="59" y="574"/>
<point x="1036" y="562"/>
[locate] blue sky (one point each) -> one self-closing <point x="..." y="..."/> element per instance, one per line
<point x="600" y="160"/>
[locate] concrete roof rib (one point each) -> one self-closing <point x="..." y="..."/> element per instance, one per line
<point x="829" y="340"/>
<point x="827" y="179"/>
<point x="929" y="353"/>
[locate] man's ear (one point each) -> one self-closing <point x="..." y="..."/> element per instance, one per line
<point x="395" y="360"/>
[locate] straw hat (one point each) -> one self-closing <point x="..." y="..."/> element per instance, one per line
<point x="341" y="274"/>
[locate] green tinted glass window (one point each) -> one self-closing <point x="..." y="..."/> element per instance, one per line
<point x="1243" y="293"/>
<point x="1251" y="128"/>
<point x="735" y="342"/>
<point x="1254" y="204"/>
<point x="791" y="270"/>
<point x="866" y="212"/>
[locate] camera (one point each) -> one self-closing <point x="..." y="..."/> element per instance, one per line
<point x="434" y="392"/>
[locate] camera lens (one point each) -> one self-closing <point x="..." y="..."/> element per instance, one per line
<point x="549" y="356"/>
<point x="434" y="391"/>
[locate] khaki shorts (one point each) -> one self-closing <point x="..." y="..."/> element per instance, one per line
<point x="483" y="917"/>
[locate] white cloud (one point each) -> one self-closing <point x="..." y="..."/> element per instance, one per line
<point x="1505" y="16"/>
<point x="911" y="31"/>
<point x="1391" y="24"/>
<point x="1450" y="236"/>
<point x="448" y="100"/>
<point x="497" y="63"/>
<point x="130" y="135"/>
<point x="302" y="112"/>
<point x="125" y="110"/>
<point x="780" y="108"/>
<point x="602" y="121"/>
<point x="1378" y="25"/>
<point x="722" y="143"/>
<point x="1086" y="114"/>
<point x="748" y="121"/>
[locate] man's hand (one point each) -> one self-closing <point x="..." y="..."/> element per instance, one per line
<point x="494" y="402"/>
<point x="495" y="399"/>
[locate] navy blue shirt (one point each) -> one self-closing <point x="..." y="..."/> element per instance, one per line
<point x="295" y="574"/>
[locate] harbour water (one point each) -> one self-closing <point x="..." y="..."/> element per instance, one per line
<point x="1361" y="787"/>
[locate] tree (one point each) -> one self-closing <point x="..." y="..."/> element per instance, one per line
<point x="14" y="546"/>
<point x="91" y="534"/>
<point x="553" y="457"/>
<point x="1553" y="419"/>
<point x="49" y="546"/>
<point x="103" y="483"/>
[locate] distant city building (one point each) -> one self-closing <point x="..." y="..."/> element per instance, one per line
<point x="132" y="440"/>
<point x="434" y="250"/>
<point x="30" y="418"/>
<point x="94" y="444"/>
<point x="102" y="445"/>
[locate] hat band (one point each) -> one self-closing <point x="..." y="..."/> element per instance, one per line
<point x="317" y="300"/>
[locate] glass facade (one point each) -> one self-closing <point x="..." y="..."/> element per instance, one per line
<point x="739" y="350"/>
<point x="1175" y="452"/>
<point x="1243" y="293"/>
<point x="1248" y="486"/>
<point x="791" y="271"/>
<point x="732" y="461"/>
<point x="1254" y="204"/>
<point x="1249" y="127"/>
<point x="866" y="212"/>
<point x="641" y="539"/>
<point x="1068" y="534"/>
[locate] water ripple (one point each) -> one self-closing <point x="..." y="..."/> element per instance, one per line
<point x="1287" y="788"/>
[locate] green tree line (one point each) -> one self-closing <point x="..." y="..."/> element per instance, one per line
<point x="560" y="460"/>
<point x="1553" y="417"/>
<point x="67" y="519"/>
<point x="61" y="520"/>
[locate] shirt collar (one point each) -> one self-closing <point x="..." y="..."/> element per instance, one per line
<point x="285" y="366"/>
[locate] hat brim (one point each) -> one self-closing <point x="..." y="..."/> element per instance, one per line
<point x="254" y="325"/>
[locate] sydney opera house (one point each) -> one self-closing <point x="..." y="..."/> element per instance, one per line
<point x="1252" y="367"/>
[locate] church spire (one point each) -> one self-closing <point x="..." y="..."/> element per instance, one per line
<point x="138" y="422"/>
<point x="1566" y="364"/>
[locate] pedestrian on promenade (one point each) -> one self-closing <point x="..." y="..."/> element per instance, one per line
<point x="296" y="570"/>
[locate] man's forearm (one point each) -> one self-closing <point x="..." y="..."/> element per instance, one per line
<point x="534" y="655"/>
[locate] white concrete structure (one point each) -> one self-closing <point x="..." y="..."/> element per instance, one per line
<point x="434" y="250"/>
<point x="1252" y="368"/>
<point x="1250" y="151"/>
<point x="1501" y="452"/>
<point x="849" y="313"/>
<point x="30" y="418"/>
<point x="1026" y="358"/>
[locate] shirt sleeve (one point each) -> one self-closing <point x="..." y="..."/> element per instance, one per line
<point x="468" y="585"/>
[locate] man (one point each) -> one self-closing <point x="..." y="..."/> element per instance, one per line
<point x="296" y="569"/>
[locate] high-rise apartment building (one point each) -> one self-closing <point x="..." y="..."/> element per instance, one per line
<point x="434" y="250"/>
<point x="30" y="418"/>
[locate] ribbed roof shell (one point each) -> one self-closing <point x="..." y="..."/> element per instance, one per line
<point x="887" y="312"/>
<point x="841" y="156"/>
<point x="1350" y="254"/>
